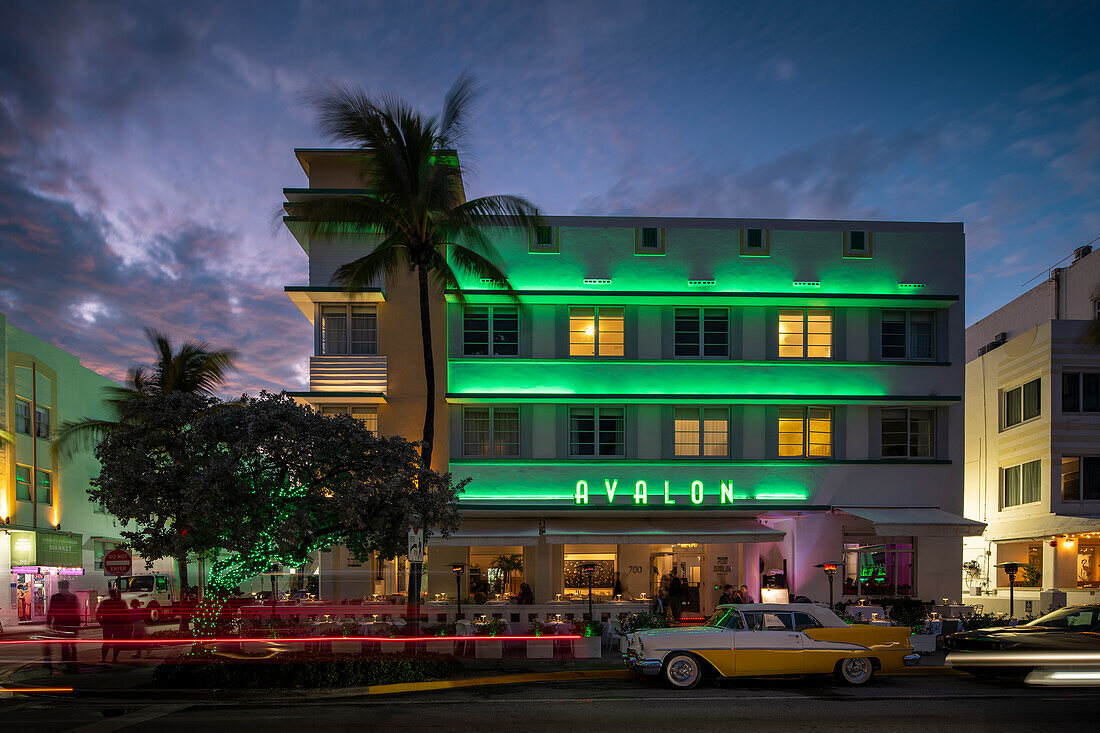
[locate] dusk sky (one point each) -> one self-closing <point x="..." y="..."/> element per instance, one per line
<point x="144" y="146"/>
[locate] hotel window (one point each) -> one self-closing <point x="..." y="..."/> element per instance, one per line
<point x="366" y="414"/>
<point x="805" y="333"/>
<point x="702" y="332"/>
<point x="908" y="334"/>
<point x="1080" y="392"/>
<point x="348" y="329"/>
<point x="857" y="244"/>
<point x="1080" y="478"/>
<point x="878" y="567"/>
<point x="597" y="431"/>
<point x="23" y="483"/>
<point x="755" y="242"/>
<point x="490" y="330"/>
<point x="1020" y="404"/>
<point x="44" y="487"/>
<point x="805" y="432"/>
<point x="22" y="416"/>
<point x="596" y="331"/>
<point x="908" y="433"/>
<point x="649" y="241"/>
<point x="42" y="422"/>
<point x="702" y="431"/>
<point x="490" y="432"/>
<point x="1020" y="484"/>
<point x="544" y="240"/>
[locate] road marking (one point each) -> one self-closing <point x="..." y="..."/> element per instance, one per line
<point x="151" y="712"/>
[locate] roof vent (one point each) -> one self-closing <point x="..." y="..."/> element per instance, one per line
<point x="1081" y="252"/>
<point x="597" y="281"/>
<point x="700" y="283"/>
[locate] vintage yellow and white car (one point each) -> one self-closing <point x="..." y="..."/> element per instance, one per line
<point x="759" y="639"/>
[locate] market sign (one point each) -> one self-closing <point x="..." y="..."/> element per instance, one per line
<point x="22" y="548"/>
<point x="50" y="549"/>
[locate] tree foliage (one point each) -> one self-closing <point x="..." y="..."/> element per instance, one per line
<point x="265" y="481"/>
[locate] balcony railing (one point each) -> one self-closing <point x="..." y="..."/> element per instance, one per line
<point x="347" y="373"/>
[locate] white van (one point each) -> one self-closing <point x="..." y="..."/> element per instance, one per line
<point x="157" y="594"/>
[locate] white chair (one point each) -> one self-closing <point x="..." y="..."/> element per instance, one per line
<point x="463" y="628"/>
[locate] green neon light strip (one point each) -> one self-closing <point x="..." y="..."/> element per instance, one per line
<point x="798" y="363"/>
<point x="475" y="293"/>
<point x="536" y="397"/>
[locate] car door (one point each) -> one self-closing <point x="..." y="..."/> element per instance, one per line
<point x="769" y="646"/>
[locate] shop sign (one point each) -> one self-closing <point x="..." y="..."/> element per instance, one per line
<point x="22" y="549"/>
<point x="723" y="568"/>
<point x="668" y="493"/>
<point x="59" y="550"/>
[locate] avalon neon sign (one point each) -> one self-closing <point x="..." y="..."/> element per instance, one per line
<point x="666" y="493"/>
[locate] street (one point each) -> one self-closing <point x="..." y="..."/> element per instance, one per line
<point x="904" y="703"/>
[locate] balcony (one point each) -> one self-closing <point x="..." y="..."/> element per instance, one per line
<point x="346" y="373"/>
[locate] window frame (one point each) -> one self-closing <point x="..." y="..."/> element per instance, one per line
<point x="908" y="334"/>
<point x="493" y="431"/>
<point x="700" y="322"/>
<point x="806" y="432"/>
<point x="1019" y="469"/>
<point x="868" y="241"/>
<point x="1006" y="395"/>
<point x="1088" y="472"/>
<point x="639" y="240"/>
<point x="49" y="486"/>
<point x="28" y="483"/>
<point x="43" y="427"/>
<point x="806" y="333"/>
<point x="347" y="409"/>
<point x="908" y="432"/>
<point x="765" y="248"/>
<point x="596" y="417"/>
<point x="1080" y="392"/>
<point x="349" y="330"/>
<point x="596" y="331"/>
<point x="24" y="423"/>
<point x="700" y="431"/>
<point x="490" y="345"/>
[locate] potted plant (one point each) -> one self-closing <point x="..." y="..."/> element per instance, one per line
<point x="386" y="631"/>
<point x="543" y="646"/>
<point x="922" y="639"/>
<point x="345" y="646"/>
<point x="493" y="649"/>
<point x="508" y="564"/>
<point x="589" y="645"/>
<point x="442" y="646"/>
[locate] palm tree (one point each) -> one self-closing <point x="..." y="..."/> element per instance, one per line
<point x="508" y="564"/>
<point x="415" y="205"/>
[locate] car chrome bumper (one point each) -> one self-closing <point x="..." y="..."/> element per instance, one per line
<point x="643" y="666"/>
<point x="911" y="660"/>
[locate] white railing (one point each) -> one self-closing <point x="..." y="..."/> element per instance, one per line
<point x="346" y="373"/>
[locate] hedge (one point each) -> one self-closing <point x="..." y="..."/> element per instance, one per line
<point x="300" y="669"/>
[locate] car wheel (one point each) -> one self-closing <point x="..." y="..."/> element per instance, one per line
<point x="152" y="614"/>
<point x="683" y="671"/>
<point x="855" y="671"/>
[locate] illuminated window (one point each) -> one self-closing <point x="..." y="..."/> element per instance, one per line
<point x="597" y="431"/>
<point x="544" y="240"/>
<point x="22" y="416"/>
<point x="1020" y="484"/>
<point x="702" y="431"/>
<point x="23" y="483"/>
<point x="366" y="414"/>
<point x="908" y="334"/>
<point x="1020" y="404"/>
<point x="337" y="338"/>
<point x="857" y="244"/>
<point x="490" y="431"/>
<point x="908" y="433"/>
<point x="1080" y="392"/>
<point x="42" y="422"/>
<point x="805" y="333"/>
<point x="649" y="241"/>
<point x="596" y="331"/>
<point x="1080" y="478"/>
<point x="702" y="332"/>
<point x="879" y="567"/>
<point x="805" y="432"/>
<point x="44" y="487"/>
<point x="490" y="330"/>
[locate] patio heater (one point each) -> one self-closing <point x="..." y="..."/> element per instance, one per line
<point x="1011" y="568"/>
<point x="589" y="569"/>
<point x="458" y="568"/>
<point x="830" y="569"/>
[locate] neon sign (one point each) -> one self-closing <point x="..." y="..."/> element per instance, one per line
<point x="665" y="493"/>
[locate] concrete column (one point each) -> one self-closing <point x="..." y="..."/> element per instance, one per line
<point x="548" y="569"/>
<point x="720" y="556"/>
<point x="1050" y="566"/>
<point x="634" y="568"/>
<point x="750" y="569"/>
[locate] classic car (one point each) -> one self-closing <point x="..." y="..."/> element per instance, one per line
<point x="1069" y="636"/>
<point x="760" y="639"/>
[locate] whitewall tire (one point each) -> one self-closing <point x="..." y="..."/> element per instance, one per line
<point x="855" y="671"/>
<point x="682" y="670"/>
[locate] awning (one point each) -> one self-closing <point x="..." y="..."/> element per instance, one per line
<point x="492" y="533"/>
<point x="663" y="532"/>
<point x="1041" y="527"/>
<point x="917" y="522"/>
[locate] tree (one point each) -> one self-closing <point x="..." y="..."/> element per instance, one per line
<point x="508" y="564"/>
<point x="415" y="205"/>
<point x="266" y="481"/>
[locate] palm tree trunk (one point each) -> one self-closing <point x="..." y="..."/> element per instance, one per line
<point x="428" y="435"/>
<point x="184" y="600"/>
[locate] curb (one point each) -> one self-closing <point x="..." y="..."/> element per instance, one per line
<point x="919" y="671"/>
<point x="511" y="679"/>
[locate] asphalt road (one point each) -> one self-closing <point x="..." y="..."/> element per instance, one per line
<point x="927" y="703"/>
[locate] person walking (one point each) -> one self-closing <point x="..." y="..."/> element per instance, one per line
<point x="114" y="619"/>
<point x="137" y="628"/>
<point x="660" y="603"/>
<point x="675" y="594"/>
<point x="63" y="616"/>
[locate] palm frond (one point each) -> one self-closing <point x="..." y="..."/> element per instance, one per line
<point x="452" y="126"/>
<point x="80" y="435"/>
<point x="476" y="265"/>
<point x="380" y="262"/>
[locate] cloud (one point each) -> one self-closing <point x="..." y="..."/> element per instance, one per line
<point x="778" y="68"/>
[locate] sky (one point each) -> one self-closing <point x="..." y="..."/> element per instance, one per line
<point x="144" y="146"/>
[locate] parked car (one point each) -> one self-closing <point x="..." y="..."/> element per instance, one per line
<point x="762" y="639"/>
<point x="1056" y="638"/>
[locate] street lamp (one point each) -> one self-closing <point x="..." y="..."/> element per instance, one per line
<point x="830" y="569"/>
<point x="589" y="569"/>
<point x="1011" y="568"/>
<point x="458" y="568"/>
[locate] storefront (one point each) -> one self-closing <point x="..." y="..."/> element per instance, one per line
<point x="39" y="560"/>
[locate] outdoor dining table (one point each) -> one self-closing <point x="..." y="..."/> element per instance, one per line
<point x="953" y="610"/>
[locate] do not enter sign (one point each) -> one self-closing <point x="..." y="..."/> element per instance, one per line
<point x="117" y="562"/>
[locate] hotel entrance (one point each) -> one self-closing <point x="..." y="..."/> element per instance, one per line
<point x="685" y="562"/>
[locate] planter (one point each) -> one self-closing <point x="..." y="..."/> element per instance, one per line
<point x="347" y="647"/>
<point x="440" y="647"/>
<point x="623" y="642"/>
<point x="391" y="647"/>
<point x="540" y="648"/>
<point x="490" y="648"/>
<point x="587" y="648"/>
<point x="924" y="643"/>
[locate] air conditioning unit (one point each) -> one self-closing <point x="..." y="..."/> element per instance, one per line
<point x="1081" y="252"/>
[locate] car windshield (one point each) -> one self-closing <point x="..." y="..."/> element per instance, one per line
<point x="725" y="618"/>
<point x="137" y="583"/>
<point x="1075" y="619"/>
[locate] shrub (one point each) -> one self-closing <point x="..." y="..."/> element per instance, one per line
<point x="587" y="628"/>
<point x="493" y="627"/>
<point x="643" y="620"/>
<point x="538" y="628"/>
<point x="903" y="610"/>
<point x="443" y="629"/>
<point x="981" y="621"/>
<point x="301" y="669"/>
